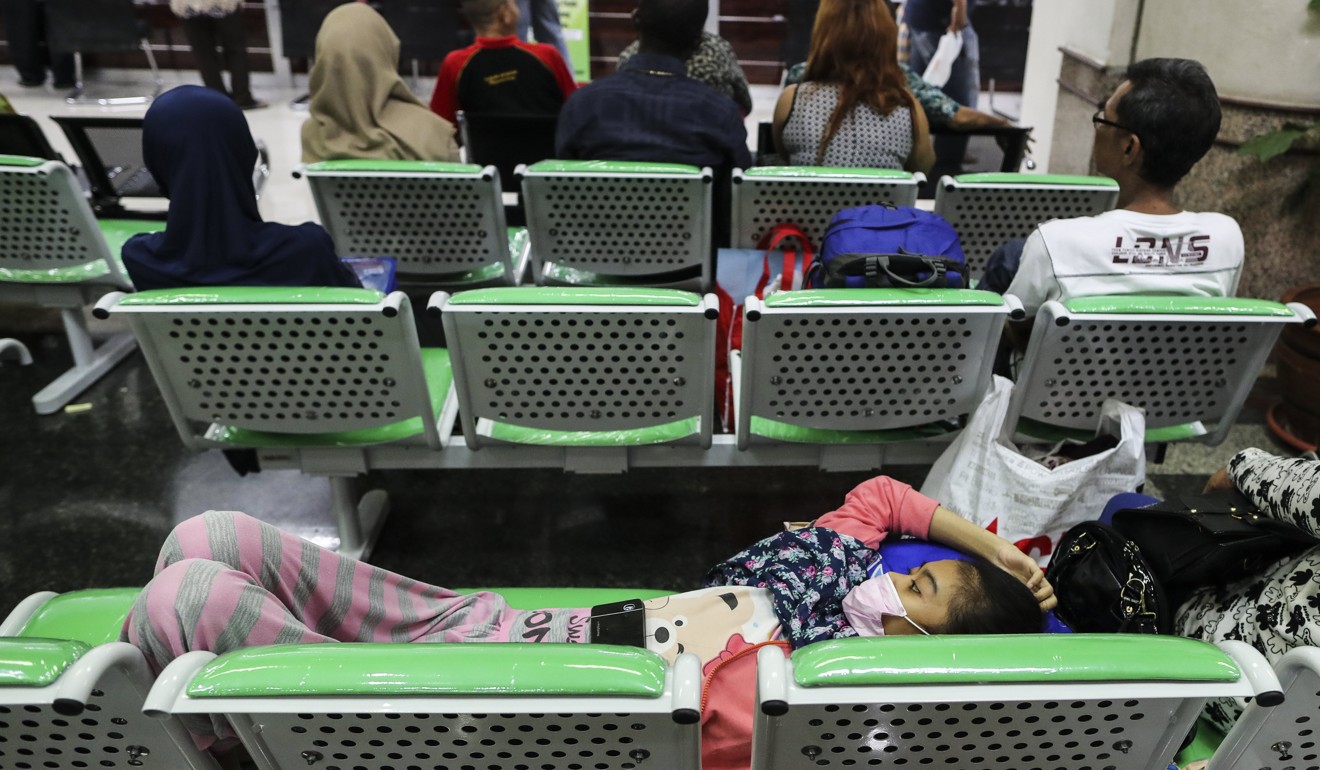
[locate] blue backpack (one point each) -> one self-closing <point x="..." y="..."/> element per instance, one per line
<point x="884" y="246"/>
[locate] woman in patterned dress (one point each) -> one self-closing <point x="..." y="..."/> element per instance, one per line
<point x="853" y="107"/>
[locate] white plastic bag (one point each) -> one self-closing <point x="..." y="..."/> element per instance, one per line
<point x="941" y="64"/>
<point x="986" y="479"/>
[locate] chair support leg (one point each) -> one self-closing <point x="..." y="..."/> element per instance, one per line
<point x="89" y="363"/>
<point x="74" y="96"/>
<point x="9" y="345"/>
<point x="78" y="94"/>
<point x="155" y="71"/>
<point x="359" y="521"/>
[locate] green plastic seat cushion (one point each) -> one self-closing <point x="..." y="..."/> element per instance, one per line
<point x="609" y="167"/>
<point x="484" y="275"/>
<point x="554" y="273"/>
<point x="883" y="297"/>
<point x="70" y="274"/>
<point x="1168" y="305"/>
<point x="1035" y="179"/>
<point x="115" y="231"/>
<point x="824" y="172"/>
<point x="799" y="434"/>
<point x="92" y="616"/>
<point x="118" y="231"/>
<point x="22" y="161"/>
<point x="519" y="240"/>
<point x="432" y="669"/>
<point x="392" y="167"/>
<point x="575" y="295"/>
<point x="654" y="434"/>
<point x="1046" y="432"/>
<point x="1011" y="658"/>
<point x="439" y="381"/>
<point x="253" y="295"/>
<point x="37" y="662"/>
<point x="1203" y="746"/>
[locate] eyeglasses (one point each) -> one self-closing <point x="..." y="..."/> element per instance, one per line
<point x="1099" y="118"/>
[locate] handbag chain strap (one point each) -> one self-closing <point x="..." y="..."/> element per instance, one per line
<point x="1132" y="596"/>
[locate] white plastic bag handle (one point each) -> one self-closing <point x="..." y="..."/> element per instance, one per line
<point x="940" y="67"/>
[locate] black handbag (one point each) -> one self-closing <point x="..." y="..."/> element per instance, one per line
<point x="1209" y="540"/>
<point x="1105" y="585"/>
<point x="879" y="271"/>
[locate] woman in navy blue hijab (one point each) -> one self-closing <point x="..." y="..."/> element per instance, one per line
<point x="197" y="145"/>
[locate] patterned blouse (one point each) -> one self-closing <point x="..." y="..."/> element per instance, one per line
<point x="865" y="139"/>
<point x="938" y="107"/>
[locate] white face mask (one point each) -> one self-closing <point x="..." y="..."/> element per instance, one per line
<point x="866" y="605"/>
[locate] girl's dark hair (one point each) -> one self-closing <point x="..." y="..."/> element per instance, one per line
<point x="993" y="601"/>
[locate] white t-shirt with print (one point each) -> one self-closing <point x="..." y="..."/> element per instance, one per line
<point x="1124" y="252"/>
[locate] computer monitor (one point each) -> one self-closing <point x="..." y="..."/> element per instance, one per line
<point x="110" y="150"/>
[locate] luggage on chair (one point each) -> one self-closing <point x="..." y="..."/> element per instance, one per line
<point x="885" y="246"/>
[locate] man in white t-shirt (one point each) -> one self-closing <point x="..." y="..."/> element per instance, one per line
<point x="1158" y="123"/>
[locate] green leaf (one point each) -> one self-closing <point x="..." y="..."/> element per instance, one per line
<point x="1269" y="145"/>
<point x="1314" y="5"/>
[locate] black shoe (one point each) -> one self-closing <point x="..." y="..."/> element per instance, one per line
<point x="255" y="104"/>
<point x="32" y="83"/>
<point x="69" y="86"/>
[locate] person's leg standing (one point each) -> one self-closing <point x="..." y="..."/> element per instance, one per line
<point x="547" y="28"/>
<point x="203" y="37"/>
<point x="233" y="40"/>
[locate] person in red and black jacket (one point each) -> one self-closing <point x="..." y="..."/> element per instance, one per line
<point x="500" y="74"/>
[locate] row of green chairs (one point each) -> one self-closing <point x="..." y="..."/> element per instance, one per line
<point x="333" y="382"/>
<point x="71" y="696"/>
<point x="621" y="223"/>
<point x="592" y="223"/>
<point x="54" y="253"/>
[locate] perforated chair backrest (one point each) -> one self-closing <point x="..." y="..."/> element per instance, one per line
<point x="617" y="219"/>
<point x="534" y="362"/>
<point x="441" y="221"/>
<point x="496" y="706"/>
<point x="288" y="361"/>
<point x="809" y="197"/>
<point x="1286" y="735"/>
<point x="1181" y="359"/>
<point x="93" y="26"/>
<point x="49" y="225"/>
<point x="986" y="702"/>
<point x="857" y="360"/>
<point x="989" y="209"/>
<point x="67" y="706"/>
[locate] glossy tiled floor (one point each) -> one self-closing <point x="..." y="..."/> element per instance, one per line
<point x="86" y="498"/>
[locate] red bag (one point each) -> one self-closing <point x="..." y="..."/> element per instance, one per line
<point x="729" y="325"/>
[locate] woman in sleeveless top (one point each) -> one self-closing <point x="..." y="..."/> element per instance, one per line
<point x="853" y="107"/>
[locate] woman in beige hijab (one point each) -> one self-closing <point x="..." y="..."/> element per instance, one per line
<point x="360" y="107"/>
